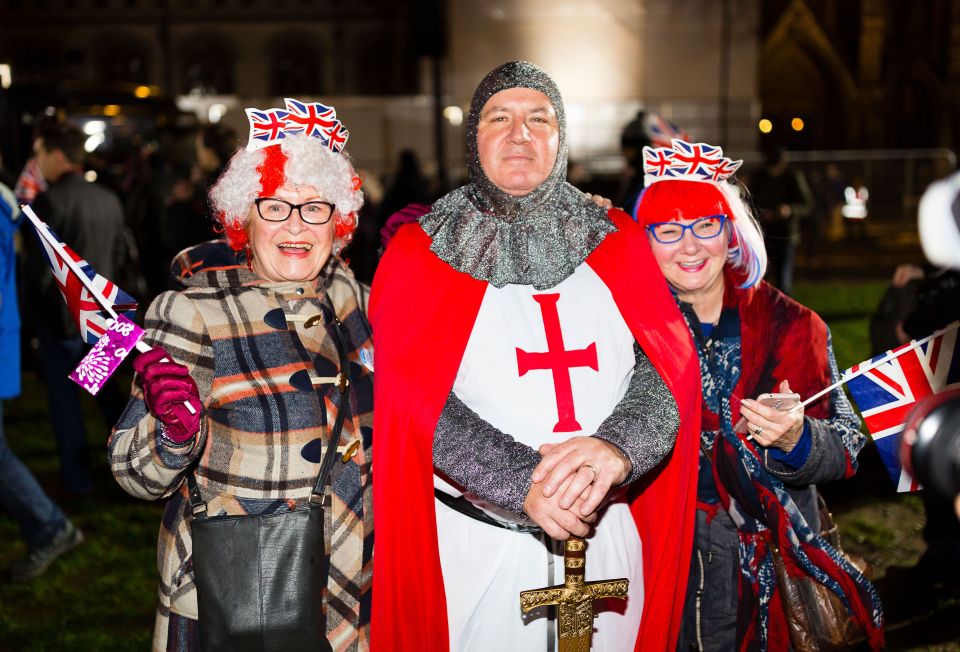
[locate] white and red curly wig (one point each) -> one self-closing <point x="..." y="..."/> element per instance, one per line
<point x="298" y="160"/>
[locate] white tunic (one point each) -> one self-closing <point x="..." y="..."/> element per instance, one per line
<point x="486" y="567"/>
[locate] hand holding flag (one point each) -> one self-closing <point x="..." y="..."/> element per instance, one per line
<point x="889" y="386"/>
<point x="93" y="302"/>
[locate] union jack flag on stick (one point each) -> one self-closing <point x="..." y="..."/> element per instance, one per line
<point x="887" y="387"/>
<point x="91" y="299"/>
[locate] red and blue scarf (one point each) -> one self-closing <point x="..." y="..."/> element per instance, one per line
<point x="762" y="338"/>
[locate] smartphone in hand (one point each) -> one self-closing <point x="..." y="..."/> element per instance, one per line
<point x="777" y="400"/>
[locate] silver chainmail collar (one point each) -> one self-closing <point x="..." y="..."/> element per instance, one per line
<point x="538" y="239"/>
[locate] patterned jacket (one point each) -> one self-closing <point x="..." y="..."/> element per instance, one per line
<point x="249" y="345"/>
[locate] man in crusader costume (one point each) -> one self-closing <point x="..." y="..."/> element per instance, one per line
<point x="532" y="370"/>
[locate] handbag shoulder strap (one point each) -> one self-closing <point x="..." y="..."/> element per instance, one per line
<point x="197" y="504"/>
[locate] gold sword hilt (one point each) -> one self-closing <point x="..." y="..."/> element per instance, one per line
<point x="574" y="598"/>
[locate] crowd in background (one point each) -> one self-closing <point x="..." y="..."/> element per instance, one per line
<point x="154" y="200"/>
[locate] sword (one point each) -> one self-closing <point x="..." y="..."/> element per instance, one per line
<point x="574" y="598"/>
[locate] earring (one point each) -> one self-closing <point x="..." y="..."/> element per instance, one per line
<point x="248" y="252"/>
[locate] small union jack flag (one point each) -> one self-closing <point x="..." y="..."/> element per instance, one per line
<point x="683" y="160"/>
<point x="887" y="393"/>
<point x="267" y="125"/>
<point x="660" y="131"/>
<point x="337" y="137"/>
<point x="89" y="316"/>
<point x="658" y="161"/>
<point x="724" y="169"/>
<point x="314" y="119"/>
<point x="694" y="158"/>
<point x="30" y="183"/>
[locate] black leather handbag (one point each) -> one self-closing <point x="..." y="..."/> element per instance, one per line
<point x="260" y="579"/>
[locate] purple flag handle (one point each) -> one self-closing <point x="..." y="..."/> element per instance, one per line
<point x="106" y="355"/>
<point x="111" y="349"/>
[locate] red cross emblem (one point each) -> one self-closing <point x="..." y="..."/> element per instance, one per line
<point x="559" y="361"/>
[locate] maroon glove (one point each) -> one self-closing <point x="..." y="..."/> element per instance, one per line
<point x="167" y="389"/>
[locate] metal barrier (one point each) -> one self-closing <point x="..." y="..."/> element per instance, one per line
<point x="895" y="178"/>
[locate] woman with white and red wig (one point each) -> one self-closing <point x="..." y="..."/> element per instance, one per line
<point x="251" y="364"/>
<point x="759" y="465"/>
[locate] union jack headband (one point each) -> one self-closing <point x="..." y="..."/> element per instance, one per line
<point x="688" y="161"/>
<point x="270" y="126"/>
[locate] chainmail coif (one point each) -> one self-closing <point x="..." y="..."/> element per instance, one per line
<point x="536" y="239"/>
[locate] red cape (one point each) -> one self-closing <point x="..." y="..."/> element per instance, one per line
<point x="423" y="311"/>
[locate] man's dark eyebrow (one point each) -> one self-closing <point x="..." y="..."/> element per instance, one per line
<point x="500" y="108"/>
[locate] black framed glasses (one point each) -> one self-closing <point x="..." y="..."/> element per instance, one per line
<point x="704" y="228"/>
<point x="276" y="210"/>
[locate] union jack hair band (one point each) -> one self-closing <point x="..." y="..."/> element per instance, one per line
<point x="316" y="120"/>
<point x="688" y="161"/>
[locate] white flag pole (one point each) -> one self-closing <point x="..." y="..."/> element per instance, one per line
<point x="896" y="353"/>
<point x="38" y="225"/>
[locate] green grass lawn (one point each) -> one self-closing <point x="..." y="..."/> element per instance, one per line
<point x="102" y="595"/>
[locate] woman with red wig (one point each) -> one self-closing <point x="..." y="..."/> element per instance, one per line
<point x="759" y="460"/>
<point x="250" y="366"/>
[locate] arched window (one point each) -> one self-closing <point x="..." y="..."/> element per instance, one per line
<point x="206" y="65"/>
<point x="295" y="65"/>
<point x="119" y="58"/>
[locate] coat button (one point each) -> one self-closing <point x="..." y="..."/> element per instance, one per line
<point x="275" y="319"/>
<point x="301" y="380"/>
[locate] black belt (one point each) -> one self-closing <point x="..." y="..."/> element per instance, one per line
<point x="467" y="508"/>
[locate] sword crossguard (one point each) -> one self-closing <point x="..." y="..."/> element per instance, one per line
<point x="574" y="598"/>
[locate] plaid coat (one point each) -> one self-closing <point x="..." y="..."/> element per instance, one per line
<point x="263" y="430"/>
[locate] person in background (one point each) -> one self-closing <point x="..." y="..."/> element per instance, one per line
<point x="646" y="129"/>
<point x="783" y="201"/>
<point x="409" y="186"/>
<point x="89" y="218"/>
<point x="43" y="527"/>
<point x="188" y="219"/>
<point x="929" y="301"/>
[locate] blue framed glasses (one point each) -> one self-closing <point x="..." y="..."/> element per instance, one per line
<point x="704" y="228"/>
